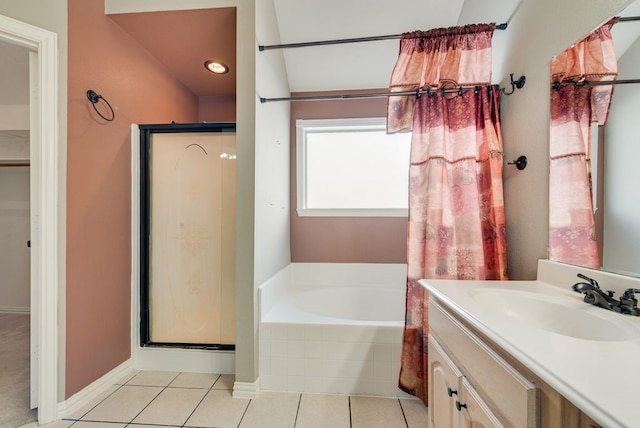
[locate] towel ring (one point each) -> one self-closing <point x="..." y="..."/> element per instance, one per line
<point x="94" y="98"/>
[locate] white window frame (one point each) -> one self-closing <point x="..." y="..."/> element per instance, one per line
<point x="303" y="126"/>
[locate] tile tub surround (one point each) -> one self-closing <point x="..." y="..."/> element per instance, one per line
<point x="302" y="351"/>
<point x="597" y="376"/>
<point x="330" y="359"/>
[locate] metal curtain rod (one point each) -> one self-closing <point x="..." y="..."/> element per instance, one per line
<point x="515" y="84"/>
<point x="342" y="41"/>
<point x="556" y="85"/>
<point x="14" y="163"/>
<point x="369" y="94"/>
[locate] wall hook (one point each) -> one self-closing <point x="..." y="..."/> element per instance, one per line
<point x="515" y="84"/>
<point x="520" y="163"/>
<point x="94" y="98"/>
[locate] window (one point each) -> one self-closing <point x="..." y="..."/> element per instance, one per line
<point x="351" y="167"/>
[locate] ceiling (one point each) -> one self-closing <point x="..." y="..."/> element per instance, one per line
<point x="368" y="64"/>
<point x="183" y="40"/>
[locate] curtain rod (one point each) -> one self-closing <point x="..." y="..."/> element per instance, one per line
<point x="556" y="85"/>
<point x="369" y="94"/>
<point x="261" y="48"/>
<point x="13" y="163"/>
<point x="341" y="41"/>
<point x="515" y="84"/>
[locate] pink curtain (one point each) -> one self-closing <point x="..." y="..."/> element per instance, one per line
<point x="572" y="237"/>
<point x="456" y="210"/>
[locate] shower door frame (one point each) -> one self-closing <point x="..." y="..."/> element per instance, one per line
<point x="146" y="133"/>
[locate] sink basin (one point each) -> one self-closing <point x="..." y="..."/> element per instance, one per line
<point x="556" y="314"/>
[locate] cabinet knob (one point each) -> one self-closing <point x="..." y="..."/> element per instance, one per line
<point x="451" y="392"/>
<point x="460" y="405"/>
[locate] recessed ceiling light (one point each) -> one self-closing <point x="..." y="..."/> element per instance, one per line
<point x="216" y="67"/>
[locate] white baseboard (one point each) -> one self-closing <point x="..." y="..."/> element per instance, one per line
<point x="13" y="310"/>
<point x="247" y="390"/>
<point x="93" y="390"/>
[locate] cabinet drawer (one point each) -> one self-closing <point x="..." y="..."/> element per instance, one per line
<point x="513" y="398"/>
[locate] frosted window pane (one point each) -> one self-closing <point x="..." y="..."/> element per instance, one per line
<point x="357" y="170"/>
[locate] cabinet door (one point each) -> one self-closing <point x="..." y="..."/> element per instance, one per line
<point x="443" y="387"/>
<point x="473" y="412"/>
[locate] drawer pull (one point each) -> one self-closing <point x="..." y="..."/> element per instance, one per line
<point x="451" y="392"/>
<point x="460" y="406"/>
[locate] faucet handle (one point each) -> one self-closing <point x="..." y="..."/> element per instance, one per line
<point x="591" y="280"/>
<point x="611" y="293"/>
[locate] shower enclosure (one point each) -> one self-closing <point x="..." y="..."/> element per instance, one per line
<point x="187" y="235"/>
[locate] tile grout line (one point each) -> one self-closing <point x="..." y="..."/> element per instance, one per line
<point x="97" y="404"/>
<point x="154" y="398"/>
<point x="215" y="381"/>
<point x="245" y="412"/>
<point x="201" y="400"/>
<point x="403" y="414"/>
<point x="295" y="420"/>
<point x="350" y="418"/>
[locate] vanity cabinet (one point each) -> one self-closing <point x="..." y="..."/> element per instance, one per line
<point x="452" y="400"/>
<point x="475" y="383"/>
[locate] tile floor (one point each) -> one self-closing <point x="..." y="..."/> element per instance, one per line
<point x="168" y="399"/>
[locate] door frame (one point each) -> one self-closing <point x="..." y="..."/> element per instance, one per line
<point x="44" y="180"/>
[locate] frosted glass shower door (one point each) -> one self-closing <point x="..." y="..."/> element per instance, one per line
<point x="192" y="238"/>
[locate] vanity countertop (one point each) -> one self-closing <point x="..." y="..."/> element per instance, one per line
<point x="600" y="376"/>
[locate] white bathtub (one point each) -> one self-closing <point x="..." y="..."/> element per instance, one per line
<point x="333" y="328"/>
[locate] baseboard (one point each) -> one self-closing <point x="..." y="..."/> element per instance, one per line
<point x="16" y="311"/>
<point x="247" y="390"/>
<point x="93" y="390"/>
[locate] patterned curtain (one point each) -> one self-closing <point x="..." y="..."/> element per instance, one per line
<point x="572" y="237"/>
<point x="456" y="210"/>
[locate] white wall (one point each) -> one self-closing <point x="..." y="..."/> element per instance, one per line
<point x="622" y="174"/>
<point x="272" y="151"/>
<point x="538" y="31"/>
<point x="14" y="234"/>
<point x="272" y="243"/>
<point x="14" y="223"/>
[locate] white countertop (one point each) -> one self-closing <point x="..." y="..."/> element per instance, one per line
<point x="599" y="377"/>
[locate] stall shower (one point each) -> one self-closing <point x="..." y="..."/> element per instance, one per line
<point x="188" y="226"/>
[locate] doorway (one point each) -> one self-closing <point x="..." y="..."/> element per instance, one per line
<point x="44" y="182"/>
<point x="15" y="407"/>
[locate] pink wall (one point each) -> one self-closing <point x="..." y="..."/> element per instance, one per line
<point x="343" y="239"/>
<point x="104" y="58"/>
<point x="217" y="109"/>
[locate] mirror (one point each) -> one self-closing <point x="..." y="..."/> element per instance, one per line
<point x="615" y="160"/>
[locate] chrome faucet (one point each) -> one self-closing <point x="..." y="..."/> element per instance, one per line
<point x="593" y="294"/>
